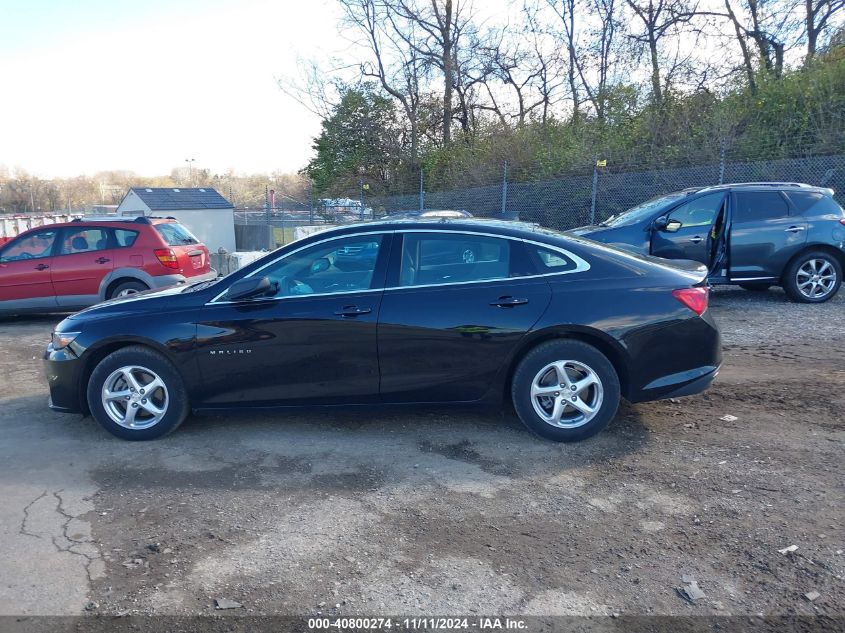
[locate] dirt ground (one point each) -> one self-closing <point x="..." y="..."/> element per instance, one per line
<point x="443" y="512"/>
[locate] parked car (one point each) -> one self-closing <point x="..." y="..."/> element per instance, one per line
<point x="562" y="327"/>
<point x="755" y="235"/>
<point x="71" y="265"/>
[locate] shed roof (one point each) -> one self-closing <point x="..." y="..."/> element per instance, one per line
<point x="173" y="199"/>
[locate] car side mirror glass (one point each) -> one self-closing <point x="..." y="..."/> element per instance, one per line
<point x="672" y="226"/>
<point x="248" y="288"/>
<point x="320" y="265"/>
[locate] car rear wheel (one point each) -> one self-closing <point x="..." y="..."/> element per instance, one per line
<point x="756" y="286"/>
<point x="127" y="288"/>
<point x="565" y="391"/>
<point x="135" y="393"/>
<point x="813" y="277"/>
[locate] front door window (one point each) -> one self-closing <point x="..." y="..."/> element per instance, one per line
<point x="342" y="265"/>
<point x="32" y="246"/>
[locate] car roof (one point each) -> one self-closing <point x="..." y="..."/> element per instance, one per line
<point x="765" y="186"/>
<point x="510" y="228"/>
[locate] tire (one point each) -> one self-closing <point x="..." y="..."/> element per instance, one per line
<point x="127" y="288"/>
<point x="760" y="286"/>
<point x="813" y="277"/>
<point x="580" y="362"/>
<point x="142" y="363"/>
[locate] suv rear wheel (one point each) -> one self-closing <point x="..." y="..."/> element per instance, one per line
<point x="814" y="277"/>
<point x="565" y="391"/>
<point x="127" y="288"/>
<point x="135" y="393"/>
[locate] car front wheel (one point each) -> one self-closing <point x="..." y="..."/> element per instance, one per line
<point x="565" y="391"/>
<point x="813" y="277"/>
<point x="135" y="393"/>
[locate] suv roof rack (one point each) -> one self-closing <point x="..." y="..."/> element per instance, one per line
<point x="141" y="219"/>
<point x="773" y="185"/>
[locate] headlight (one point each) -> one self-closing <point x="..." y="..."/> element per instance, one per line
<point x="62" y="339"/>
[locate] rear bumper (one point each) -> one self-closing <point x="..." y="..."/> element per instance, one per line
<point x="685" y="383"/>
<point x="62" y="369"/>
<point x="165" y="281"/>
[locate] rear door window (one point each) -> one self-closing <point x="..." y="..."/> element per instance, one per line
<point x="84" y="240"/>
<point x="752" y="206"/>
<point x="175" y="234"/>
<point x="441" y="258"/>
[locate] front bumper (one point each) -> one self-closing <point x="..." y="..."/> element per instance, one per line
<point x="165" y="281"/>
<point x="62" y="369"/>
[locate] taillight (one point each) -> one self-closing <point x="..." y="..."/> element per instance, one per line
<point x="693" y="298"/>
<point x="842" y="221"/>
<point x="167" y="258"/>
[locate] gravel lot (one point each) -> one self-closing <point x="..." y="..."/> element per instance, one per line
<point x="439" y="512"/>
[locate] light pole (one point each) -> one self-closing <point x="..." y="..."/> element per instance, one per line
<point x="190" y="162"/>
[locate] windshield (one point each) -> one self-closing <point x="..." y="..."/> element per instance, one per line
<point x="642" y="211"/>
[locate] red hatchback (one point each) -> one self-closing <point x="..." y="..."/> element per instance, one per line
<point x="63" y="267"/>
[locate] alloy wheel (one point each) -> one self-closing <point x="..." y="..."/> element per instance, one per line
<point x="135" y="397"/>
<point x="816" y="278"/>
<point x="567" y="394"/>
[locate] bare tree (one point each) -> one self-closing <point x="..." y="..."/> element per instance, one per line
<point x="818" y="14"/>
<point x="395" y="62"/>
<point x="565" y="10"/>
<point x="442" y="25"/>
<point x="659" y="19"/>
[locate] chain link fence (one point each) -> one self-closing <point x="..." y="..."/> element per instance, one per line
<point x="560" y="203"/>
<point x="580" y="199"/>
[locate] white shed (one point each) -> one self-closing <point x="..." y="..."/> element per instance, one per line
<point x="205" y="213"/>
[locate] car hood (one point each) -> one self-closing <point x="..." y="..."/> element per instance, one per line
<point x="147" y="300"/>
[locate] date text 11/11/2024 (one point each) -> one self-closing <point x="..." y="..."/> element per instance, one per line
<point x="417" y="623"/>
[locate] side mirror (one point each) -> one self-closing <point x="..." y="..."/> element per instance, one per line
<point x="320" y="265"/>
<point x="661" y="222"/>
<point x="248" y="288"/>
<point x="672" y="226"/>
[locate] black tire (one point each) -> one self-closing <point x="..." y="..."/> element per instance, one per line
<point x="790" y="276"/>
<point x="128" y="287"/>
<point x="757" y="286"/>
<point x="565" y="350"/>
<point x="143" y="357"/>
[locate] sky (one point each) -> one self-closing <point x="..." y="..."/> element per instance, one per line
<point x="92" y="85"/>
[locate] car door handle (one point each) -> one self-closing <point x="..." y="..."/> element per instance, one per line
<point x="102" y="260"/>
<point x="351" y="311"/>
<point x="42" y="267"/>
<point x="695" y="239"/>
<point x="508" y="302"/>
<point x="794" y="229"/>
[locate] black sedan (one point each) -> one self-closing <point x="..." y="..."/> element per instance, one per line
<point x="561" y="326"/>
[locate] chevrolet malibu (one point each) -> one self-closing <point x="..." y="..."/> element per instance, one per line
<point x="560" y="326"/>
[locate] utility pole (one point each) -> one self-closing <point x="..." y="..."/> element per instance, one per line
<point x="505" y="189"/>
<point x="190" y="162"/>
<point x="422" y="190"/>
